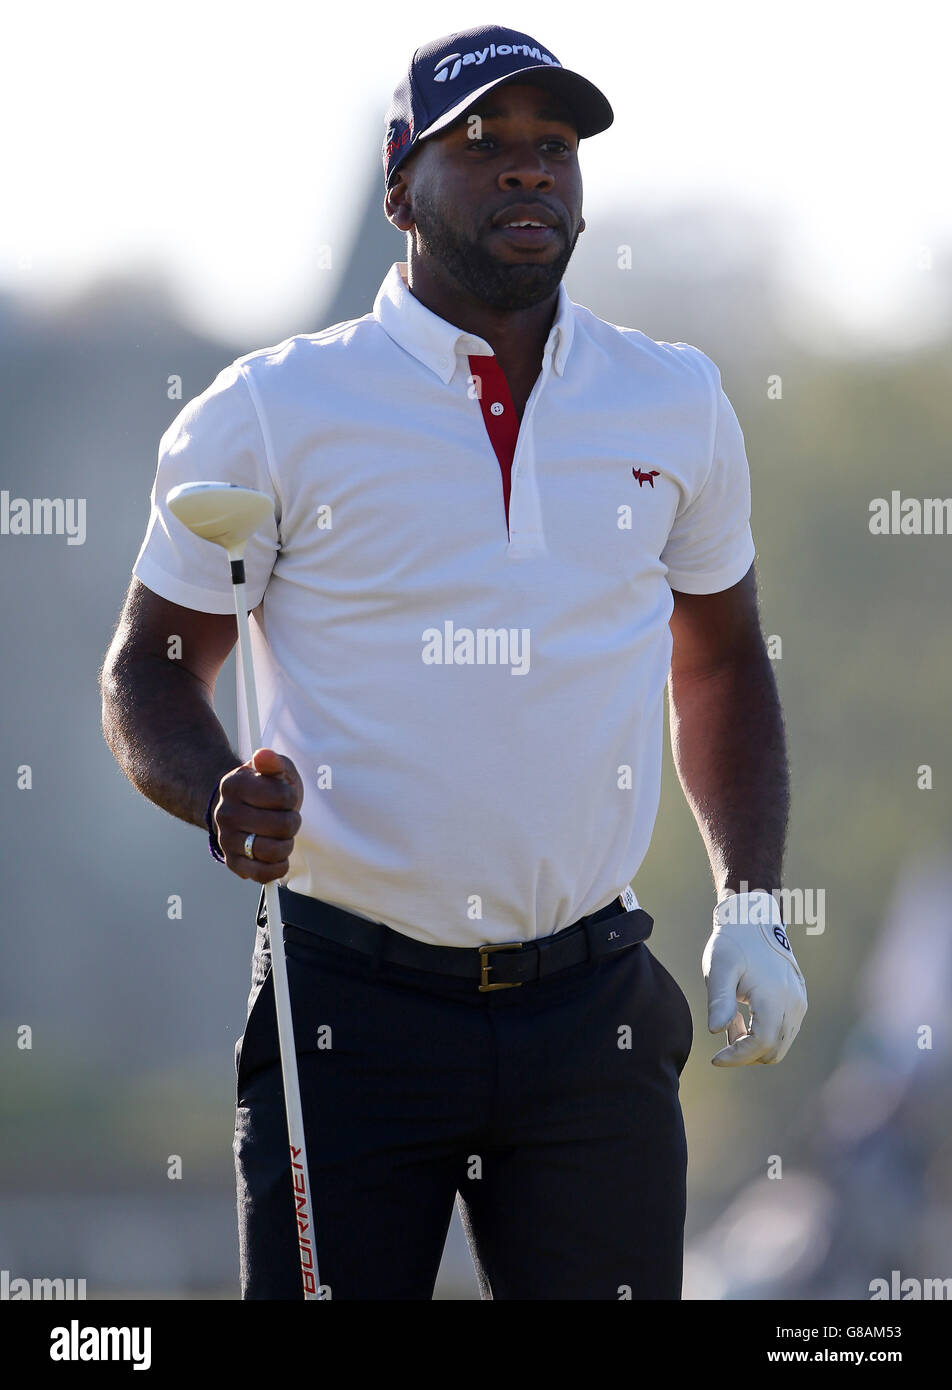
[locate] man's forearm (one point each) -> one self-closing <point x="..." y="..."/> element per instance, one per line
<point x="160" y="723"/>
<point x="729" y="748"/>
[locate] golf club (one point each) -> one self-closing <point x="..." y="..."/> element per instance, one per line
<point x="227" y="515"/>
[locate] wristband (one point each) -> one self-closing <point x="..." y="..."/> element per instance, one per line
<point x="214" y="848"/>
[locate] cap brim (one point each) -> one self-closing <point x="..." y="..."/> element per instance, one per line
<point x="592" y="110"/>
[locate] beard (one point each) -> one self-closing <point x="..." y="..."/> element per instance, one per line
<point x="499" y="284"/>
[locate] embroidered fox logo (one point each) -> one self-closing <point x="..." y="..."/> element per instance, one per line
<point x="646" y="477"/>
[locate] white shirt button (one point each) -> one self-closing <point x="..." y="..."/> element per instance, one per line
<point x="497" y="408"/>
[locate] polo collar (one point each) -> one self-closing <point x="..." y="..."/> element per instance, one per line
<point x="437" y="343"/>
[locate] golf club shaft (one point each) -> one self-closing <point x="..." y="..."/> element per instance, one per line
<point x="304" y="1212"/>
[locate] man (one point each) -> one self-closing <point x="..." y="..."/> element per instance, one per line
<point x="498" y="522"/>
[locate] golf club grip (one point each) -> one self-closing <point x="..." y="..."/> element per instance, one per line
<point x="303" y="1210"/>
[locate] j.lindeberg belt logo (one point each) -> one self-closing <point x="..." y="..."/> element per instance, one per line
<point x="449" y="67"/>
<point x="648" y="477"/>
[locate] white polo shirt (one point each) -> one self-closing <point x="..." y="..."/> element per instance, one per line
<point x="474" y="700"/>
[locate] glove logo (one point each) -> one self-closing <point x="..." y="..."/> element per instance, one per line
<point x="781" y="938"/>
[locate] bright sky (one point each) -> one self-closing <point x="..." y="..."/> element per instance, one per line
<point x="224" y="142"/>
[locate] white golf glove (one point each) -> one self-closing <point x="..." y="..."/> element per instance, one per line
<point x="749" y="960"/>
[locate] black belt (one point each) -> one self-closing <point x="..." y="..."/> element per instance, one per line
<point x="496" y="965"/>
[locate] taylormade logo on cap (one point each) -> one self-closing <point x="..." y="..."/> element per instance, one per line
<point x="444" y="73"/>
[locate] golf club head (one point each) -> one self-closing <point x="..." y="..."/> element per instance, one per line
<point x="221" y="512"/>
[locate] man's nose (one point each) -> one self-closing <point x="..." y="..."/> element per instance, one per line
<point x="528" y="169"/>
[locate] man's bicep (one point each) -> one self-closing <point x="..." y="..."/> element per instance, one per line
<point x="712" y="630"/>
<point x="149" y="625"/>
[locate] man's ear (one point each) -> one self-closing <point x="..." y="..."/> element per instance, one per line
<point x="581" y="225"/>
<point x="396" y="205"/>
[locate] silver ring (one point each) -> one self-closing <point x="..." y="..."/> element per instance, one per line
<point x="249" y="843"/>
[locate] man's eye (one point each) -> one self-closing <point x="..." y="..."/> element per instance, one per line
<point x="491" y="139"/>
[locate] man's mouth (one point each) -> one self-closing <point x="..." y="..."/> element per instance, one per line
<point x="517" y="235"/>
<point x="526" y="226"/>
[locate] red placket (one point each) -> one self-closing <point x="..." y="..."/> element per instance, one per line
<point x="499" y="417"/>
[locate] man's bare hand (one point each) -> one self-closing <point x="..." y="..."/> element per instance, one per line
<point x="263" y="798"/>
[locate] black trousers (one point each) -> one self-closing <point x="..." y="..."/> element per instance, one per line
<point x="549" y="1111"/>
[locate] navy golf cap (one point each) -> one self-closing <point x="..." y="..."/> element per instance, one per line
<point x="446" y="76"/>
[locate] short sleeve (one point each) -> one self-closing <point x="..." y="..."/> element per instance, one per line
<point x="217" y="437"/>
<point x="710" y="546"/>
